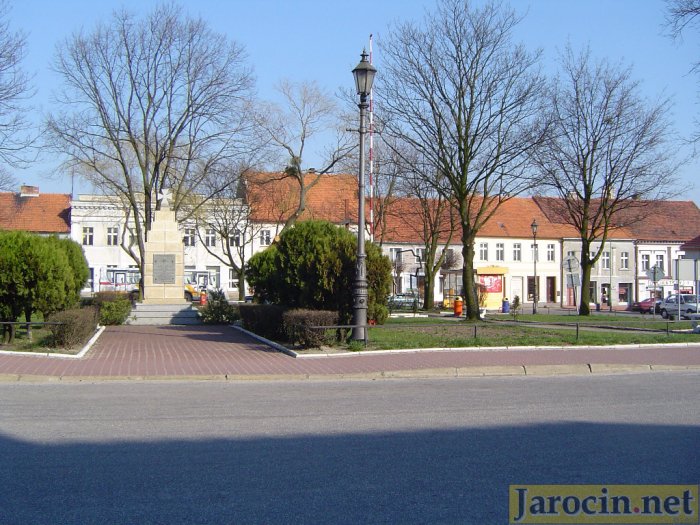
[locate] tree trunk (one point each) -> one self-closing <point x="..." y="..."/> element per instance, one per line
<point x="586" y="265"/>
<point x="428" y="287"/>
<point x="471" y="300"/>
<point x="241" y="285"/>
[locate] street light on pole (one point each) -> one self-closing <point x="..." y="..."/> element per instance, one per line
<point x="364" y="77"/>
<point x="533" y="226"/>
<point x="610" y="282"/>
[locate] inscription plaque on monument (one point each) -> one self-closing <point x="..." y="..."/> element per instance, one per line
<point x="163" y="268"/>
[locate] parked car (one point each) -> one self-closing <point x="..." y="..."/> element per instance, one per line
<point x="647" y="306"/>
<point x="404" y="300"/>
<point x="688" y="305"/>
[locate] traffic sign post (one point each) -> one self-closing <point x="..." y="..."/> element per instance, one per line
<point x="571" y="267"/>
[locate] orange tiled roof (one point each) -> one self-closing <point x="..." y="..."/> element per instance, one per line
<point x="693" y="244"/>
<point x="512" y="219"/>
<point x="659" y="221"/>
<point x="673" y="221"/>
<point x="334" y="198"/>
<point x="44" y="213"/>
<point x="273" y="198"/>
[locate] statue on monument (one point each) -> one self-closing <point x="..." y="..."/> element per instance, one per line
<point x="165" y="195"/>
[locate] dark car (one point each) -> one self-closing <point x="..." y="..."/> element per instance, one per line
<point x="647" y="305"/>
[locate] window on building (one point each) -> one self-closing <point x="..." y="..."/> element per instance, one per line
<point x="550" y="252"/>
<point x="517" y="252"/>
<point x="535" y="252"/>
<point x="232" y="278"/>
<point x="265" y="238"/>
<point x="624" y="260"/>
<point x="420" y="255"/>
<point x="112" y="236"/>
<point x="571" y="253"/>
<point x="210" y="237"/>
<point x="483" y="251"/>
<point x="214" y="276"/>
<point x="235" y="239"/>
<point x="605" y="261"/>
<point x="189" y="238"/>
<point x="660" y="260"/>
<point x="645" y="261"/>
<point x="500" y="251"/>
<point x="88" y="235"/>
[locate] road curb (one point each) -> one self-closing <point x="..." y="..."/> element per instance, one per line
<point x="464" y="372"/>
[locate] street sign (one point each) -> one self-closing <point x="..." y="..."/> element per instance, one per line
<point x="571" y="264"/>
<point x="573" y="280"/>
<point x="655" y="273"/>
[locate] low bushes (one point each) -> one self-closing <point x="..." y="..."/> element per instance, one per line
<point x="298" y="326"/>
<point x="77" y="325"/>
<point x="114" y="307"/>
<point x="264" y="320"/>
<point x="288" y="325"/>
<point x="218" y="310"/>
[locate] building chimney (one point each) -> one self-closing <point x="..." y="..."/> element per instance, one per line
<point x="28" y="191"/>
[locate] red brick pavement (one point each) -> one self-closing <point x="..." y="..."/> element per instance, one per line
<point x="201" y="351"/>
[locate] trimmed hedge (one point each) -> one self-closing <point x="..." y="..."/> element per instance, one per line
<point x="78" y="325"/>
<point x="298" y="325"/>
<point x="114" y="307"/>
<point x="264" y="320"/>
<point x="115" y="312"/>
<point x="107" y="297"/>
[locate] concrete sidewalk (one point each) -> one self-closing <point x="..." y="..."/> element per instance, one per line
<point x="225" y="353"/>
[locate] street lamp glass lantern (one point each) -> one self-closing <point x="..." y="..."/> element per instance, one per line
<point x="364" y="75"/>
<point x="534" y="226"/>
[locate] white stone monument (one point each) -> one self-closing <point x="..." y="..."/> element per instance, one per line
<point x="163" y="278"/>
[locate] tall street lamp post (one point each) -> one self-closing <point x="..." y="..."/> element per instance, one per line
<point x="364" y="77"/>
<point x="534" y="257"/>
<point x="610" y="288"/>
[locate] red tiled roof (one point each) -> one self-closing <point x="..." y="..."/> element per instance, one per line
<point x="44" y="213"/>
<point x="693" y="244"/>
<point x="672" y="221"/>
<point x="664" y="221"/>
<point x="334" y="198"/>
<point x="273" y="198"/>
<point x="513" y="218"/>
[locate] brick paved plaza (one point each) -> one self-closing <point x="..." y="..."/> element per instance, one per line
<point x="224" y="352"/>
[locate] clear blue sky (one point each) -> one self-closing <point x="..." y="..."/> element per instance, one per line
<point x="321" y="40"/>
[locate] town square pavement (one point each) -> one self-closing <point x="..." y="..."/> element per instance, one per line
<point x="225" y="353"/>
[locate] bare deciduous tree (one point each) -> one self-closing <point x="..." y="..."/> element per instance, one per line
<point x="607" y="149"/>
<point x="7" y="181"/>
<point x="306" y="112"/>
<point x="14" y="90"/>
<point x="463" y="95"/>
<point x="148" y="104"/>
<point x="681" y="16"/>
<point x="229" y="214"/>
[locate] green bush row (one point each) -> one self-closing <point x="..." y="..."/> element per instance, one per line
<point x="264" y="320"/>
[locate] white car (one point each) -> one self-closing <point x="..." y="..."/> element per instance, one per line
<point x="670" y="307"/>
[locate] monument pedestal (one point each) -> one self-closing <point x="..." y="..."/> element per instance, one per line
<point x="164" y="275"/>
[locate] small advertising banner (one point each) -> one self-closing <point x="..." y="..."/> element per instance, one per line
<point x="491" y="283"/>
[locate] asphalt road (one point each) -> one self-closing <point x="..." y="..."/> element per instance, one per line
<point x="403" y="451"/>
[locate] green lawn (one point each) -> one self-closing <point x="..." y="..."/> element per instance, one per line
<point x="539" y="330"/>
<point x="40" y="341"/>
